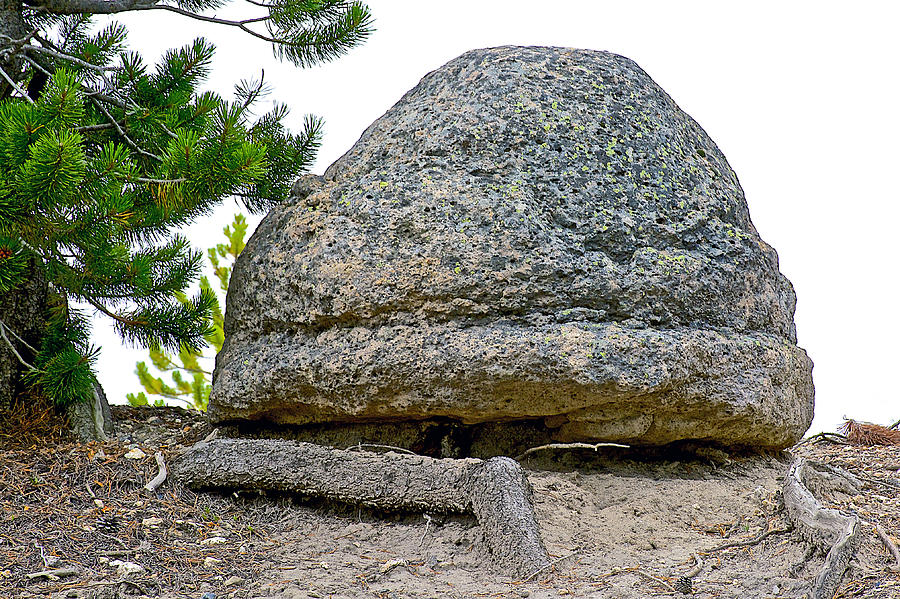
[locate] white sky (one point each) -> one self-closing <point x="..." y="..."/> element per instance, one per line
<point x="802" y="98"/>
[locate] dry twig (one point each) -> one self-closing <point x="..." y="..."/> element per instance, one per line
<point x="749" y="542"/>
<point x="594" y="446"/>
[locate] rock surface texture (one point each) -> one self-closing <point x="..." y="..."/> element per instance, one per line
<point x="529" y="235"/>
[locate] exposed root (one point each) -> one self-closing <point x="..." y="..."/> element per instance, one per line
<point x="826" y="437"/>
<point x="833" y="532"/>
<point x="550" y="565"/>
<point x="889" y="543"/>
<point x="160" y="478"/>
<point x="496" y="491"/>
<point x="750" y="542"/>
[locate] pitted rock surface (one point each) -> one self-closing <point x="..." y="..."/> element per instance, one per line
<point x="531" y="234"/>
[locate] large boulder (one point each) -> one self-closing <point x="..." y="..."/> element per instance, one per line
<point x="529" y="235"/>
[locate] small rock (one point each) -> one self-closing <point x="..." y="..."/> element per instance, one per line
<point x="242" y="550"/>
<point x="211" y="562"/>
<point x="234" y="580"/>
<point x="391" y="565"/>
<point x="135" y="454"/>
<point x="126" y="568"/>
<point x="214" y="541"/>
<point x="152" y="522"/>
<point x="208" y="596"/>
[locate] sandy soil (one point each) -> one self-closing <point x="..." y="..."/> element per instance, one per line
<point x="618" y="526"/>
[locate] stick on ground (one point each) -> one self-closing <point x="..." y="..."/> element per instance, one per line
<point x="160" y="478"/>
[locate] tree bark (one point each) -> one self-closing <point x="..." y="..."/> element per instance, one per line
<point x="496" y="491"/>
<point x="23" y="312"/>
<point x="91" y="421"/>
<point x="12" y="25"/>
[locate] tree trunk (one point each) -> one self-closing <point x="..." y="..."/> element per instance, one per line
<point x="496" y="491"/>
<point x="91" y="421"/>
<point x="22" y="312"/>
<point x="13" y="26"/>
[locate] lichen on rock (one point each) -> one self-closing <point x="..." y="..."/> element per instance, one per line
<point x="529" y="235"/>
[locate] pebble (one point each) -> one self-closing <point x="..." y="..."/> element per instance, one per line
<point x="211" y="562"/>
<point x="135" y="454"/>
<point x="214" y="541"/>
<point x="152" y="522"/>
<point x="126" y="568"/>
<point x="234" y="580"/>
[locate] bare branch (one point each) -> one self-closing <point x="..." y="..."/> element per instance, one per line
<point x="121" y="131"/>
<point x="99" y="127"/>
<point x="13" y="333"/>
<point x="16" y="86"/>
<point x="113" y="315"/>
<point x="242" y="25"/>
<point x="13" y="348"/>
<point x="70" y="58"/>
<point x="159" y="181"/>
<point x="97" y="7"/>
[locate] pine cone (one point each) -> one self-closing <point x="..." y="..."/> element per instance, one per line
<point x="683" y="585"/>
<point x="107" y="523"/>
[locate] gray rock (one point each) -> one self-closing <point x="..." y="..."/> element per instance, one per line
<point x="530" y="234"/>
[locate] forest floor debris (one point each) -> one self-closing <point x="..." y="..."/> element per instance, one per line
<point x="614" y="526"/>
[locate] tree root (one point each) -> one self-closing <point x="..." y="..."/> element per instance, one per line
<point x="749" y="542"/>
<point x="496" y="491"/>
<point x="831" y="531"/>
<point x="889" y="544"/>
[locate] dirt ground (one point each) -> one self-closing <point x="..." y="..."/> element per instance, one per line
<point x="618" y="525"/>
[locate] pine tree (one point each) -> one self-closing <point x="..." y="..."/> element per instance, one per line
<point x="191" y="381"/>
<point x="103" y="157"/>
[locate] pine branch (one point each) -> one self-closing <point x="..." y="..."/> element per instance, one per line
<point x="121" y="131"/>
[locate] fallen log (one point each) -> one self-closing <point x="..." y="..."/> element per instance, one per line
<point x="834" y="533"/>
<point x="496" y="491"/>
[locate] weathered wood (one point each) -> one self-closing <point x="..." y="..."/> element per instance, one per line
<point x="496" y="491"/>
<point x="831" y="531"/>
<point x="501" y="501"/>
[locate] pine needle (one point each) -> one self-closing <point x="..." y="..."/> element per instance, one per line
<point x="866" y="433"/>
